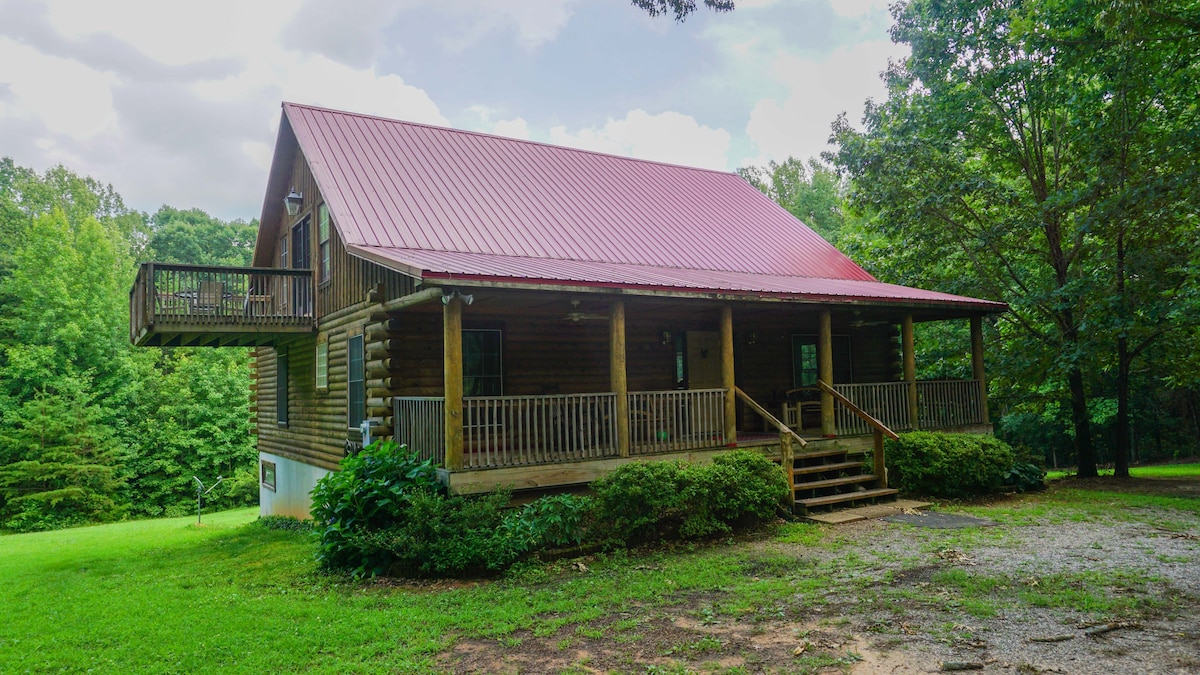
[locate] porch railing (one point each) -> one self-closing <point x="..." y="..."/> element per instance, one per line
<point x="673" y="421"/>
<point x="419" y="425"/>
<point x="200" y="295"/>
<point x="885" y="401"/>
<point x="949" y="403"/>
<point x="519" y="430"/>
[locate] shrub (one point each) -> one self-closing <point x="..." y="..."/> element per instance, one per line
<point x="948" y="465"/>
<point x="1025" y="476"/>
<point x="555" y="521"/>
<point x="369" y="493"/>
<point x="452" y="536"/>
<point x="642" y="501"/>
<point x="284" y="523"/>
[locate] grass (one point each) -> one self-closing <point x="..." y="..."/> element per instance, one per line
<point x="233" y="596"/>
<point x="1155" y="471"/>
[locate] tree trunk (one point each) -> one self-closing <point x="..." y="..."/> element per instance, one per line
<point x="1084" y="452"/>
<point x="1121" y="458"/>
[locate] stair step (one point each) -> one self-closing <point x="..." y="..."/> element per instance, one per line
<point x="821" y="468"/>
<point x="827" y="453"/>
<point x="834" y="482"/>
<point x="847" y="497"/>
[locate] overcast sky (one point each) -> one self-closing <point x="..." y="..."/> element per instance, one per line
<point x="178" y="102"/>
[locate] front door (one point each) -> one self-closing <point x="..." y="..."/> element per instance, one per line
<point x="301" y="260"/>
<point x="704" y="372"/>
<point x="704" y="359"/>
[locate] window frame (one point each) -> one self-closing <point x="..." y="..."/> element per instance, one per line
<point x="321" y="355"/>
<point x="843" y="368"/>
<point x="324" y="237"/>
<point x="499" y="376"/>
<point x="354" y="383"/>
<point x="264" y="469"/>
<point x="282" y="373"/>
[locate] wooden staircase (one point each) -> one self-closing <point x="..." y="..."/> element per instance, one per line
<point x="835" y="478"/>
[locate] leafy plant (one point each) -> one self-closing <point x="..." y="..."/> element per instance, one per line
<point x="369" y="493"/>
<point x="948" y="465"/>
<point x="555" y="520"/>
<point x="1025" y="477"/>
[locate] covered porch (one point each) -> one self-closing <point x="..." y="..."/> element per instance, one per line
<point x="580" y="383"/>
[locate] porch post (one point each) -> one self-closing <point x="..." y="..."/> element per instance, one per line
<point x="617" y="374"/>
<point x="453" y="368"/>
<point x="910" y="370"/>
<point x="727" y="381"/>
<point x="977" y="365"/>
<point x="825" y="371"/>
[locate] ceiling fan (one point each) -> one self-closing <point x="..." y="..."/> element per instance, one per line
<point x="575" y="315"/>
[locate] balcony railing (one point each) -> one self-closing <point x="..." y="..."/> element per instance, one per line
<point x="197" y="299"/>
<point x="673" y="421"/>
<point x="949" y="403"/>
<point x="885" y="401"/>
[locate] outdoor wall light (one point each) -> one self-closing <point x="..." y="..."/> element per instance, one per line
<point x="292" y="201"/>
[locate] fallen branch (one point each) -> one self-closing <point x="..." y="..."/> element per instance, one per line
<point x="1108" y="628"/>
<point x="1053" y="638"/>
<point x="954" y="666"/>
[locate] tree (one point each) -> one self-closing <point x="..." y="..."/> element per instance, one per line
<point x="192" y="236"/>
<point x="680" y="8"/>
<point x="811" y="191"/>
<point x="992" y="161"/>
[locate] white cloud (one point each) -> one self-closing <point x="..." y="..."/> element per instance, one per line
<point x="818" y="90"/>
<point x="534" y="22"/>
<point x="666" y="137"/>
<point x="513" y="128"/>
<point x="857" y="8"/>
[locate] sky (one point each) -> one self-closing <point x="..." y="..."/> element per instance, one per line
<point x="179" y="103"/>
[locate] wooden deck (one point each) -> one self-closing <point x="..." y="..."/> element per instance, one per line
<point x="196" y="305"/>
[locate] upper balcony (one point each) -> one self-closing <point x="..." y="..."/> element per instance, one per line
<point x="200" y="305"/>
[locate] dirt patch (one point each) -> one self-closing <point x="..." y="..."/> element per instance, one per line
<point x="680" y="644"/>
<point x="1027" y="596"/>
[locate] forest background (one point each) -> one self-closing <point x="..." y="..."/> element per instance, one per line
<point x="1038" y="153"/>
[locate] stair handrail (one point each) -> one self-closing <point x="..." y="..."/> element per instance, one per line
<point x="878" y="426"/>
<point x="771" y="419"/>
<point x="880" y="429"/>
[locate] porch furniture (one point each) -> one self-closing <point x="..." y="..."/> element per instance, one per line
<point x="799" y="401"/>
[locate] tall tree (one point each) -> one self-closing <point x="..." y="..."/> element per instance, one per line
<point x="810" y="190"/>
<point x="1015" y="143"/>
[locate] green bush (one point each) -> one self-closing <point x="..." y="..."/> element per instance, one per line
<point x="948" y="465"/>
<point x="451" y="536"/>
<point x="555" y="521"/>
<point x="370" y="492"/>
<point x="643" y="501"/>
<point x="1025" y="476"/>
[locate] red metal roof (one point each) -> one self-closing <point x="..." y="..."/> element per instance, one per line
<point x="437" y="202"/>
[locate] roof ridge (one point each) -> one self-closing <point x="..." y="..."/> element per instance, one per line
<point x="609" y="262"/>
<point x="526" y="141"/>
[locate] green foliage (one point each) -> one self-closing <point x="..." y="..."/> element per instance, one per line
<point x="370" y="492"/>
<point x="645" y="500"/>
<point x="811" y="191"/>
<point x="555" y="521"/>
<point x="284" y="523"/>
<point x="443" y="536"/>
<point x="1024" y="477"/>
<point x="130" y="426"/>
<point x="948" y="465"/>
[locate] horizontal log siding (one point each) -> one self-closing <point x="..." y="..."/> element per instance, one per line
<point x="317" y="431"/>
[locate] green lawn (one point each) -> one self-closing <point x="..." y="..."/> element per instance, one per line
<point x="165" y="596"/>
<point x="1156" y="471"/>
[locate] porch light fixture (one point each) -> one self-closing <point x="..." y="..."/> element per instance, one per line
<point x="292" y="201"/>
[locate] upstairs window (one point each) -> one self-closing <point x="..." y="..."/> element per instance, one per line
<point x="323" y="244"/>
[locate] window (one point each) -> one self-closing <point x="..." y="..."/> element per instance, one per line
<point x="805" y="366"/>
<point x="482" y="367"/>
<point x="281" y="387"/>
<point x="322" y="365"/>
<point x="283" y="253"/>
<point x="322" y="244"/>
<point x="355" y="384"/>
<point x="267" y="473"/>
<point x="301" y="246"/>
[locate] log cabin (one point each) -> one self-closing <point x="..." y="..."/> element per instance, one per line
<point x="533" y="316"/>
